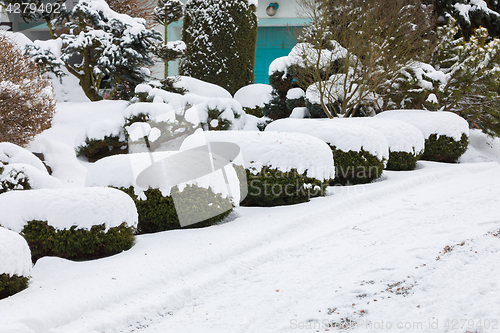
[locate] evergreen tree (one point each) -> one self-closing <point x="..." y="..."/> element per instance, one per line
<point x="167" y="12"/>
<point x="220" y="39"/>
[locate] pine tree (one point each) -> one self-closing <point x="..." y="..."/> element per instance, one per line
<point x="220" y="39"/>
<point x="109" y="44"/>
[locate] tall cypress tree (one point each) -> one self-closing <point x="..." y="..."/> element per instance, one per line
<point x="220" y="39"/>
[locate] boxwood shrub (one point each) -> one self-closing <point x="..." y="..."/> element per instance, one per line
<point x="96" y="149"/>
<point x="10" y="285"/>
<point x="158" y="212"/>
<point x="14" y="180"/>
<point x="76" y="244"/>
<point x="444" y="148"/>
<point x="402" y="161"/>
<point x="354" y="167"/>
<point x="271" y="187"/>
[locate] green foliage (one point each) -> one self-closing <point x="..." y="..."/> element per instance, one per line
<point x="14" y="180"/>
<point x="167" y="84"/>
<point x="221" y="124"/>
<point x="139" y="118"/>
<point x="10" y="285"/>
<point x="158" y="212"/>
<point x="256" y="111"/>
<point x="277" y="108"/>
<point x="402" y="161"/>
<point x="271" y="187"/>
<point x="76" y="244"/>
<point x="96" y="149"/>
<point x="220" y="39"/>
<point x="294" y="103"/>
<point x="316" y="110"/>
<point x="355" y="167"/>
<point x="444" y="148"/>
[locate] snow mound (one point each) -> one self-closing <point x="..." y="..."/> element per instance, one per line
<point x="300" y="113"/>
<point x="15" y="254"/>
<point x="295" y="93"/>
<point x="151" y="109"/>
<point x="122" y="171"/>
<point x="345" y="136"/>
<point x="19" y="38"/>
<point x="431" y="122"/>
<point x="64" y="208"/>
<point x="37" y="179"/>
<point x="400" y="135"/>
<point x="11" y="153"/>
<point x="283" y="151"/>
<point x="254" y="95"/>
<point x="482" y="148"/>
<point x="201" y="88"/>
<point x="99" y="130"/>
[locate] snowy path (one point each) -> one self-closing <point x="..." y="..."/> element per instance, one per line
<point x="281" y="269"/>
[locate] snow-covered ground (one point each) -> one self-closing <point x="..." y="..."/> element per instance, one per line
<point x="415" y="251"/>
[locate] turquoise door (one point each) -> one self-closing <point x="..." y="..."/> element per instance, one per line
<point x="272" y="43"/>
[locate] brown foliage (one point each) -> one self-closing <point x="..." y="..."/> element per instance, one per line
<point x="135" y="8"/>
<point x="27" y="100"/>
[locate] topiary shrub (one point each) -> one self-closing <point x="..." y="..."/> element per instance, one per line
<point x="354" y="167"/>
<point x="444" y="148"/>
<point x="95" y="149"/>
<point x="255" y="111"/>
<point x="402" y="161"/>
<point x="13" y="180"/>
<point x="277" y="108"/>
<point x="271" y="187"/>
<point x="158" y="212"/>
<point x="10" y="285"/>
<point x="76" y="243"/>
<point x="15" y="263"/>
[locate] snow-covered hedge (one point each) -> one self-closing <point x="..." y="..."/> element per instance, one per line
<point x="360" y="152"/>
<point x="154" y="199"/>
<point x="281" y="168"/>
<point x="406" y="142"/>
<point x="253" y="98"/>
<point x="446" y="134"/>
<point x="15" y="263"/>
<point x="79" y="223"/>
<point x="21" y="170"/>
<point x="100" y="139"/>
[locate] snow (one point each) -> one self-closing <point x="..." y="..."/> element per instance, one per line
<point x="281" y="151"/>
<point x="295" y="93"/>
<point x="18" y="37"/>
<point x="300" y="113"/>
<point x="123" y="170"/>
<point x="11" y="153"/>
<point x="482" y="148"/>
<point x="400" y="135"/>
<point x="429" y="122"/>
<point x="230" y="109"/>
<point x="15" y="255"/>
<point x="65" y="207"/>
<point x="99" y="130"/>
<point x="67" y="89"/>
<point x="152" y="109"/>
<point x="345" y="136"/>
<point x="201" y="88"/>
<point x="254" y="95"/>
<point x="37" y="179"/>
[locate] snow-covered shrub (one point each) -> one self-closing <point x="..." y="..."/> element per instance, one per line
<point x="220" y="39"/>
<point x="79" y="223"/>
<point x="218" y="114"/>
<point x="253" y="97"/>
<point x="27" y="101"/>
<point x="100" y="139"/>
<point x="22" y="170"/>
<point x="406" y="142"/>
<point x="155" y="203"/>
<point x="281" y="168"/>
<point x="281" y="82"/>
<point x="359" y="152"/>
<point x="295" y="97"/>
<point x="15" y="263"/>
<point x="446" y="134"/>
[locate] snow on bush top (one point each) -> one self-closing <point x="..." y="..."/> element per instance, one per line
<point x="431" y="122"/>
<point x="201" y="88"/>
<point x="15" y="254"/>
<point x="400" y="135"/>
<point x="153" y="109"/>
<point x="99" y="130"/>
<point x="122" y="171"/>
<point x="230" y="110"/>
<point x="11" y="153"/>
<point x="345" y="136"/>
<point x="64" y="208"/>
<point x="295" y="93"/>
<point x="36" y="178"/>
<point x="254" y="95"/>
<point x="283" y="151"/>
